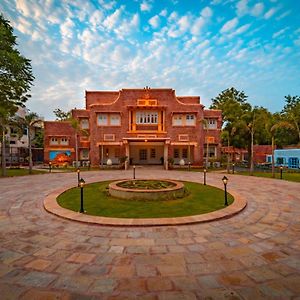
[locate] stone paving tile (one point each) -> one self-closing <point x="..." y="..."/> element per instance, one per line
<point x="253" y="255"/>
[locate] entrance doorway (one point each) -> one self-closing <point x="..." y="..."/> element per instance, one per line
<point x="147" y="153"/>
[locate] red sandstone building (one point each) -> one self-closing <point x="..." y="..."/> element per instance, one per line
<point x="148" y="126"/>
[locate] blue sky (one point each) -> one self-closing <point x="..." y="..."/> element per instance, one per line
<point x="195" y="47"/>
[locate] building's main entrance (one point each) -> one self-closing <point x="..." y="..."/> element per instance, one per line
<point x="146" y="153"/>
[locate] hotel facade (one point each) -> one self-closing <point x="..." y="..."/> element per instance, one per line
<point x="147" y="126"/>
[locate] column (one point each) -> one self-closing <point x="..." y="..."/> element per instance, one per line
<point x="128" y="155"/>
<point x="166" y="156"/>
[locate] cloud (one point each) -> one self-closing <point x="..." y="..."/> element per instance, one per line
<point x="66" y="29"/>
<point x="206" y="12"/>
<point x="229" y="25"/>
<point x="197" y="26"/>
<point x="283" y="15"/>
<point x="111" y="21"/>
<point x="269" y="13"/>
<point x="183" y="24"/>
<point x="163" y="13"/>
<point x="154" y="22"/>
<point x="242" y="7"/>
<point x="96" y="18"/>
<point x="257" y="10"/>
<point x="145" y="6"/>
<point x="280" y="32"/>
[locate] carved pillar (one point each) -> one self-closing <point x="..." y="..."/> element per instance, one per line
<point x="166" y="146"/>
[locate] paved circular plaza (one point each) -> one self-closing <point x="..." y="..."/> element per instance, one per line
<point x="252" y="255"/>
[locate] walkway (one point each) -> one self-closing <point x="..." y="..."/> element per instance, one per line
<point x="253" y="255"/>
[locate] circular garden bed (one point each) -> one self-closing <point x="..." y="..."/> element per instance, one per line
<point x="199" y="199"/>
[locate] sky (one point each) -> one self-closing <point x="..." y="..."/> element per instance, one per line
<point x="196" y="47"/>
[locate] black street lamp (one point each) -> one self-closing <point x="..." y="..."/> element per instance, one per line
<point x="78" y="175"/>
<point x="204" y="176"/>
<point x="233" y="168"/>
<point x="189" y="166"/>
<point x="133" y="172"/>
<point x="281" y="169"/>
<point x="50" y="166"/>
<point x="225" y="180"/>
<point x="81" y="184"/>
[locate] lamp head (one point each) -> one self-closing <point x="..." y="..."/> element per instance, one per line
<point x="50" y="163"/>
<point x="81" y="182"/>
<point x="281" y="167"/>
<point x="78" y="170"/>
<point x="204" y="170"/>
<point x="225" y="180"/>
<point x="134" y="167"/>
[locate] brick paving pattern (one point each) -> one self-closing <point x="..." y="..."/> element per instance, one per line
<point x="252" y="255"/>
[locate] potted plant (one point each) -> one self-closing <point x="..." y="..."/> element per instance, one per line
<point x="122" y="161"/>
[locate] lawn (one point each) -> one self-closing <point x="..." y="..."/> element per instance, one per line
<point x="290" y="176"/>
<point x="201" y="199"/>
<point x="20" y="172"/>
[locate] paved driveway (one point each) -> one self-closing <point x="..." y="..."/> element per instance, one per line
<point x="253" y="255"/>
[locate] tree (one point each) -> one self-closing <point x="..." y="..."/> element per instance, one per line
<point x="15" y="70"/>
<point x="29" y="122"/>
<point x="62" y="115"/>
<point x="291" y="112"/>
<point x="15" y="79"/>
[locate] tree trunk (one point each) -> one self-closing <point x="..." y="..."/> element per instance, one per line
<point x="228" y="156"/>
<point x="273" y="165"/>
<point x="30" y="150"/>
<point x="76" y="149"/>
<point x="207" y="150"/>
<point x="3" y="160"/>
<point x="251" y="159"/>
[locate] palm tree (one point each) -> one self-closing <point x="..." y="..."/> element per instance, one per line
<point x="77" y="129"/>
<point x="226" y="135"/>
<point x="28" y="122"/>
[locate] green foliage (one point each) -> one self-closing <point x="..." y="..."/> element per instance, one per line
<point x="201" y="199"/>
<point x="38" y="140"/>
<point x="62" y="115"/>
<point x="15" y="71"/>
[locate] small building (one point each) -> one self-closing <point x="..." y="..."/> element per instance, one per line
<point x="289" y="158"/>
<point x="145" y="126"/>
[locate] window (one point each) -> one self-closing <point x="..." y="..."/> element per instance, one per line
<point x="84" y="154"/>
<point x="211" y="151"/>
<point x="146" y="117"/>
<point x="53" y="141"/>
<point x="109" y="137"/>
<point x="102" y="119"/>
<point x="280" y="161"/>
<point x="293" y="162"/>
<point x="177" y="120"/>
<point x="152" y="153"/>
<point x="84" y="124"/>
<point x="184" y="153"/>
<point x="176" y="153"/>
<point x="143" y="154"/>
<point x="64" y="141"/>
<point x="190" y="119"/>
<point x="115" y="119"/>
<point x="12" y="142"/>
<point x="183" y="137"/>
<point x="211" y="124"/>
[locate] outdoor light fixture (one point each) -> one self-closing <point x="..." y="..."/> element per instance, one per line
<point x="281" y="169"/>
<point x="133" y="172"/>
<point x="81" y="184"/>
<point x="233" y="168"/>
<point x="78" y="175"/>
<point x="50" y="165"/>
<point x="225" y="180"/>
<point x="204" y="176"/>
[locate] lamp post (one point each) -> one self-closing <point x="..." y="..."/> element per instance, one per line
<point x="78" y="175"/>
<point x="81" y="184"/>
<point x="133" y="172"/>
<point x="233" y="168"/>
<point x="281" y="169"/>
<point x="204" y="176"/>
<point x="50" y="165"/>
<point x="225" y="180"/>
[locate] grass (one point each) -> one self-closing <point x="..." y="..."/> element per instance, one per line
<point x="290" y="176"/>
<point x="201" y="199"/>
<point x="21" y="172"/>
